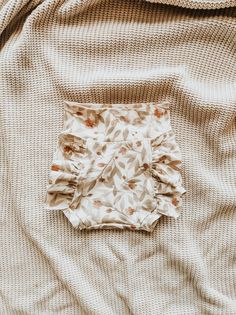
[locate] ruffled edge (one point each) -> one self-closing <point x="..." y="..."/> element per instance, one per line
<point x="167" y="174"/>
<point x="63" y="180"/>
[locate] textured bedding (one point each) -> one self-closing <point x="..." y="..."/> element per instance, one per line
<point x="110" y="52"/>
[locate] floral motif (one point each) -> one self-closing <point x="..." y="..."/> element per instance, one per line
<point x="116" y="166"/>
<point x="89" y="123"/>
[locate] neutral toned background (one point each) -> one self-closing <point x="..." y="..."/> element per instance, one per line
<point x="118" y="51"/>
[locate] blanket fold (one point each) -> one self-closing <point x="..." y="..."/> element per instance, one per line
<point x="118" y="52"/>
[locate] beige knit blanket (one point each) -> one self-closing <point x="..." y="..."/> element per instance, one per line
<point x="118" y="51"/>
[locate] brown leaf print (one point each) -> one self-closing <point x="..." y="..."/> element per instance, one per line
<point x="97" y="203"/>
<point x="92" y="185"/>
<point x="149" y="204"/>
<point x="114" y="122"/>
<point x="124" y="118"/>
<point x="100" y="117"/>
<point x="55" y="167"/>
<point x="131" y="159"/>
<point x="117" y="133"/>
<point x="143" y="153"/>
<point x="72" y="183"/>
<point x="163" y="158"/>
<point x="122" y="165"/>
<point x="130" y="210"/>
<point x="96" y="119"/>
<point x="125" y="133"/>
<point x="109" y="131"/>
<point x="131" y="184"/>
<point x="89" y="123"/>
<point x="138" y="143"/>
<point x="173" y="164"/>
<point x="137" y="121"/>
<point x="101" y="164"/>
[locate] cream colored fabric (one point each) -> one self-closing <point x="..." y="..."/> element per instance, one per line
<point x="198" y="4"/>
<point x="116" y="166"/>
<point x="117" y="51"/>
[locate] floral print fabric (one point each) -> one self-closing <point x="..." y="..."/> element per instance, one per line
<point x="116" y="166"/>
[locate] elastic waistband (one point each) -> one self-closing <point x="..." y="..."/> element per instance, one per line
<point x="116" y="122"/>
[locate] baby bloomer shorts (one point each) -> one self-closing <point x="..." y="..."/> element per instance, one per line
<point x="116" y="166"/>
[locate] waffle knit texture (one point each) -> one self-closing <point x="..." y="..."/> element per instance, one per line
<point x="118" y="51"/>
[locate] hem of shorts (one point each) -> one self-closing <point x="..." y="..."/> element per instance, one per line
<point x="148" y="224"/>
